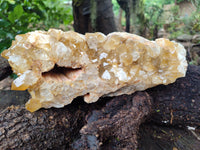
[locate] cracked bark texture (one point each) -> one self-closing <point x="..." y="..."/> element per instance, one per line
<point x="118" y="121"/>
<point x="45" y="129"/>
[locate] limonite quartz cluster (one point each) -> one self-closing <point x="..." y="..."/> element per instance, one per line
<point x="57" y="66"/>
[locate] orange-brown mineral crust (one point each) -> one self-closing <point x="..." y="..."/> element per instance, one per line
<point x="57" y="66"/>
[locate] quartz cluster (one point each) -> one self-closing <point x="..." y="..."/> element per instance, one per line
<point x="57" y="66"/>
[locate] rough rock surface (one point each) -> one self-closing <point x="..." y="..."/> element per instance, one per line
<point x="57" y="66"/>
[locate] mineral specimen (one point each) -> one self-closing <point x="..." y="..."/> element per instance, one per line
<point x="57" y="66"/>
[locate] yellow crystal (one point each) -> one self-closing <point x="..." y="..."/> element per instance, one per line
<point x="57" y="66"/>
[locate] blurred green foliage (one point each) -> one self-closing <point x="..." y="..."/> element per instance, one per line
<point x="176" y="27"/>
<point x="158" y="2"/>
<point x="21" y="16"/>
<point x="185" y="25"/>
<point x="153" y="18"/>
<point x="153" y="12"/>
<point x="116" y="7"/>
<point x="179" y="25"/>
<point x="195" y="21"/>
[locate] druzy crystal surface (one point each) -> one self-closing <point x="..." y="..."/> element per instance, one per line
<point x="57" y="66"/>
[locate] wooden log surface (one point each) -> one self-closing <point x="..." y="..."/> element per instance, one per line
<point x="116" y="124"/>
<point x="5" y="69"/>
<point x="44" y="129"/>
<point x="8" y="98"/>
<point x="178" y="103"/>
<point x="109" y="123"/>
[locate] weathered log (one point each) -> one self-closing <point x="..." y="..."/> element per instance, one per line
<point x="178" y="103"/>
<point x="160" y="137"/>
<point x="116" y="125"/>
<point x="45" y="129"/>
<point x="118" y="120"/>
<point x="8" y="98"/>
<point x="106" y="124"/>
<point x="5" y="69"/>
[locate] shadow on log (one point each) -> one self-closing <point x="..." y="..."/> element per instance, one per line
<point x="5" y="69"/>
<point x="111" y="123"/>
<point x="8" y="98"/>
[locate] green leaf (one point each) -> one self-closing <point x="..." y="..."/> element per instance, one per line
<point x="13" y="75"/>
<point x="11" y="1"/>
<point x="11" y="17"/>
<point x="158" y="110"/>
<point x="2" y="34"/>
<point x="4" y="5"/>
<point x="18" y="10"/>
<point x="16" y="14"/>
<point x="4" y="23"/>
<point x="4" y="44"/>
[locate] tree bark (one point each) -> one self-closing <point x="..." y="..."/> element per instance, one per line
<point x="45" y="129"/>
<point x="125" y="5"/>
<point x="119" y="24"/>
<point x="105" y="21"/>
<point x="109" y="123"/>
<point x="178" y="103"/>
<point x="5" y="69"/>
<point x="116" y="125"/>
<point x="8" y="98"/>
